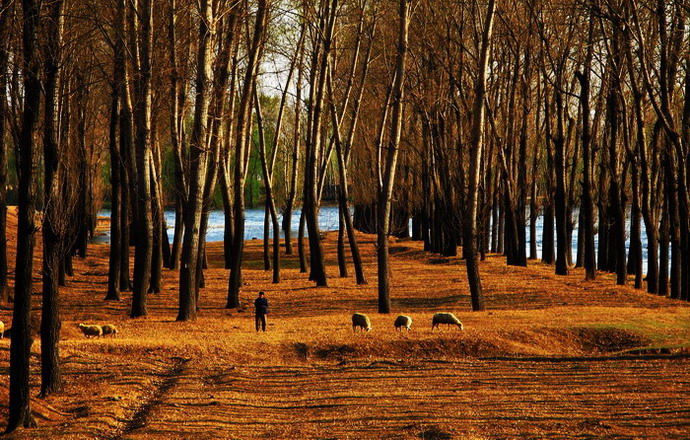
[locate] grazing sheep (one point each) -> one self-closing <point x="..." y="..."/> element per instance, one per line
<point x="445" y="318"/>
<point x="109" y="329"/>
<point x="403" y="321"/>
<point x="91" y="330"/>
<point x="2" y="329"/>
<point x="360" y="320"/>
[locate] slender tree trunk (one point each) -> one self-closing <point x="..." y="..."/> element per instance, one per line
<point x="115" y="257"/>
<point x="386" y="190"/>
<point x="126" y="162"/>
<point x="143" y="250"/>
<point x="22" y="339"/>
<point x="54" y="226"/>
<point x="300" y="244"/>
<point x="586" y="203"/>
<point x="157" y="221"/>
<point x="228" y="216"/>
<point x="476" y="152"/>
<point x="6" y="8"/>
<point x="198" y="163"/>
<point x="271" y="212"/>
<point x="616" y="208"/>
<point x="177" y="99"/>
<point x="663" y="253"/>
<point x="242" y="153"/>
<point x="314" y="142"/>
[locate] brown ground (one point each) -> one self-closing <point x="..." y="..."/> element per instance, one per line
<point x="553" y="357"/>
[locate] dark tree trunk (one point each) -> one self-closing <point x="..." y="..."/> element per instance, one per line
<point x="294" y="161"/>
<point x="616" y="208"/>
<point x="635" y="252"/>
<point x="560" y="195"/>
<point x="5" y="11"/>
<point x="157" y="223"/>
<point x="603" y="250"/>
<point x="547" y="241"/>
<point x="22" y="339"/>
<point x="54" y="211"/>
<point x="663" y="253"/>
<point x="300" y="244"/>
<point x="228" y="216"/>
<point x="586" y="203"/>
<point x="115" y="257"/>
<point x="242" y="153"/>
<point x="342" y="262"/>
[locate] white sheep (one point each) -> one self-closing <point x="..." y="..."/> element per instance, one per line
<point x="2" y="329"/>
<point x="360" y="320"/>
<point x="403" y="321"/>
<point x="445" y="318"/>
<point x="91" y="330"/>
<point x="109" y="329"/>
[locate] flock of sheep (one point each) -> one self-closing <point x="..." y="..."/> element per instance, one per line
<point x="96" y="331"/>
<point x="360" y="320"/>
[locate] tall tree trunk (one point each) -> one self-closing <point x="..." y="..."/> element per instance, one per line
<point x="6" y="8"/>
<point x="54" y="225"/>
<point x="586" y="203"/>
<point x="270" y="213"/>
<point x="22" y="339"/>
<point x="242" y="152"/>
<point x="476" y="152"/>
<point x="314" y="141"/>
<point x="115" y="256"/>
<point x="228" y="217"/>
<point x="300" y="243"/>
<point x="616" y="208"/>
<point x="197" y="166"/>
<point x="560" y="196"/>
<point x="157" y="214"/>
<point x="386" y="190"/>
<point x="143" y="250"/>
<point x="635" y="252"/>
<point x="177" y="99"/>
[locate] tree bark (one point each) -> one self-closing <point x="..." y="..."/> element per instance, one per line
<point x="476" y="152"/>
<point x="143" y="250"/>
<point x="197" y="166"/>
<point x="6" y="9"/>
<point x="586" y="203"/>
<point x="22" y="339"/>
<point x="242" y="152"/>
<point x="54" y="225"/>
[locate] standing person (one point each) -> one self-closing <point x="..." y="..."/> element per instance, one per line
<point x="261" y="309"/>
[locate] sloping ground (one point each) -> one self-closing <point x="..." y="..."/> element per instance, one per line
<point x="551" y="357"/>
<point x="563" y="398"/>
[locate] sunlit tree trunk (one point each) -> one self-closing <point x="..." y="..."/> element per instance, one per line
<point x="476" y="152"/>
<point x="143" y="250"/>
<point x="197" y="166"/>
<point x="242" y="151"/>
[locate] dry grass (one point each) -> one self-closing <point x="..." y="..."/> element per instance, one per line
<point x="552" y="357"/>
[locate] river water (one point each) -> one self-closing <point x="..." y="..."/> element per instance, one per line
<point x="328" y="221"/>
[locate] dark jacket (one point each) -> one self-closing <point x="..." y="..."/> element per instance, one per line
<point x="261" y="306"/>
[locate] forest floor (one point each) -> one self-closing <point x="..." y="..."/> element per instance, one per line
<point x="552" y="357"/>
